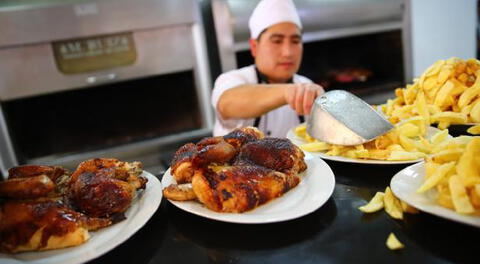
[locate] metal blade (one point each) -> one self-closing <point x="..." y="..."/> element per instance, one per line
<point x="341" y="118"/>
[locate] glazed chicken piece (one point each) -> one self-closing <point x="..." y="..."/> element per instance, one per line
<point x="217" y="150"/>
<point x="43" y="224"/>
<point x="104" y="187"/>
<point x="278" y="154"/>
<point x="241" y="136"/>
<point x="26" y="188"/>
<point x="263" y="170"/>
<point x="237" y="189"/>
<point x="180" y="192"/>
<point x="191" y="156"/>
<point x="40" y="211"/>
<point x="24" y="171"/>
<point x="32" y="181"/>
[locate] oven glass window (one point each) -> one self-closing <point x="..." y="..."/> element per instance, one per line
<point x="103" y="116"/>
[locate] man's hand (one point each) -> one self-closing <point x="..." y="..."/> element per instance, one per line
<point x="300" y="96"/>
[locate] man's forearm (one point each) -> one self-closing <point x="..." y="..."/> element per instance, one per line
<point x="250" y="101"/>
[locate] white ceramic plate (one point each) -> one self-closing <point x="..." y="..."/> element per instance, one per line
<point x="316" y="186"/>
<point x="103" y="240"/>
<point x="300" y="141"/>
<point x="404" y="185"/>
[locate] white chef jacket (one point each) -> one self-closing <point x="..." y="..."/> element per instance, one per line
<point x="276" y="123"/>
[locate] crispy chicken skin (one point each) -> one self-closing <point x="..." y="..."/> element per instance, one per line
<point x="126" y="171"/>
<point x="241" y="136"/>
<point x="180" y="192"/>
<point x="104" y="187"/>
<point x="278" y="154"/>
<point x="181" y="166"/>
<point x="32" y="181"/>
<point x="25" y="188"/>
<point x="237" y="189"/>
<point x="46" y="207"/>
<point x="191" y="156"/>
<point x="24" y="171"/>
<point x="256" y="171"/>
<point x="210" y="150"/>
<point x="42" y="225"/>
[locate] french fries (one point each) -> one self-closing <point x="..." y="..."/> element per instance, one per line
<point x="454" y="173"/>
<point x="474" y="130"/>
<point x="393" y="243"/>
<point x="448" y="92"/>
<point x="407" y="141"/>
<point x="393" y="206"/>
<point x="375" y="204"/>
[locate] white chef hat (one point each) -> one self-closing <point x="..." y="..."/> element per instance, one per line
<point x="271" y="12"/>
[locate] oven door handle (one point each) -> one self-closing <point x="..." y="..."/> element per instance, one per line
<point x="101" y="78"/>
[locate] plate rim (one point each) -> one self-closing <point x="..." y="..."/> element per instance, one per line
<point x="124" y="232"/>
<point x="249" y="217"/>
<point x="433" y="208"/>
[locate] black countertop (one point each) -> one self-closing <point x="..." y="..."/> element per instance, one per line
<point x="335" y="233"/>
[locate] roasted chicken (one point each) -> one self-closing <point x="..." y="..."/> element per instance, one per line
<point x="30" y="181"/>
<point x="104" y="187"/>
<point x="217" y="150"/>
<point x="46" y="207"/>
<point x="273" y="153"/>
<point x="238" y="189"/>
<point x="43" y="225"/>
<point x="256" y="171"/>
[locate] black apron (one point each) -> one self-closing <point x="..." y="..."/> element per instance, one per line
<point x="262" y="79"/>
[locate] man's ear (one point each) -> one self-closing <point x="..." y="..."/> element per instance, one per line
<point x="253" y="47"/>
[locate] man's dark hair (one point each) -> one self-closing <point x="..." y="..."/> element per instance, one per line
<point x="261" y="33"/>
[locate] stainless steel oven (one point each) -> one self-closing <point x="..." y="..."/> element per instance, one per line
<point x="80" y="79"/>
<point x="359" y="46"/>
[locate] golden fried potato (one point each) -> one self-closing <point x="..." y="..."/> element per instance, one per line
<point x="451" y="85"/>
<point x="374" y="205"/>
<point x="393" y="243"/>
<point x="392" y="204"/>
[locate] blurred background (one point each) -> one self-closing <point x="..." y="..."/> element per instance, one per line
<point x="132" y="79"/>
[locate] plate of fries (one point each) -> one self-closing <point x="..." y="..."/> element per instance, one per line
<point x="447" y="184"/>
<point x="447" y="93"/>
<point x="409" y="142"/>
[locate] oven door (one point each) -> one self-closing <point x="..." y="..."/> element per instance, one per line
<point x="119" y="89"/>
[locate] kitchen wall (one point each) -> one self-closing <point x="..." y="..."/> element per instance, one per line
<point x="440" y="29"/>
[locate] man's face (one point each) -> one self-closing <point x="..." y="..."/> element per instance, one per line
<point x="278" y="51"/>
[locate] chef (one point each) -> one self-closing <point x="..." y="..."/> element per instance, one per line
<point x="269" y="94"/>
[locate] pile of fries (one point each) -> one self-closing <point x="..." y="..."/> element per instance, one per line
<point x="455" y="174"/>
<point x="453" y="177"/>
<point x="409" y="140"/>
<point x="447" y="93"/>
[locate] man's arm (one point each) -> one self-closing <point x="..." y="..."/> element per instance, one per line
<point x="253" y="100"/>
